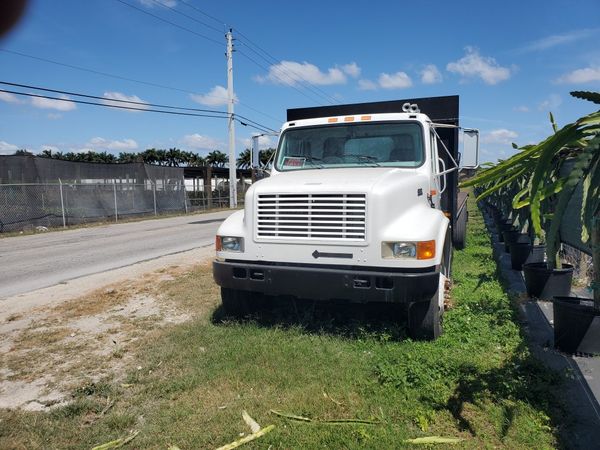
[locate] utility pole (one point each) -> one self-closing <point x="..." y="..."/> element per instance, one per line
<point x="230" y="100"/>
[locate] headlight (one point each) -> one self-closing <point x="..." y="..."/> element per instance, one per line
<point x="408" y="250"/>
<point x="229" y="244"/>
<point x="404" y="250"/>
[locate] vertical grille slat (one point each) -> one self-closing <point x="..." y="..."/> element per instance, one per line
<point x="338" y="217"/>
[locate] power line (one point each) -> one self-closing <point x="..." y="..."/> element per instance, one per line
<point x="129" y="108"/>
<point x="187" y="15"/>
<point x="145" y="104"/>
<point x="291" y="74"/>
<point x="270" y="59"/>
<point x="204" y="13"/>
<point x="170" y="23"/>
<point x="249" y="41"/>
<point x="278" y="77"/>
<point x="56" y="91"/>
<point x="307" y="86"/>
<point x="133" y="80"/>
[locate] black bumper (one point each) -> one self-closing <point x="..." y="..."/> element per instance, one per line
<point x="327" y="283"/>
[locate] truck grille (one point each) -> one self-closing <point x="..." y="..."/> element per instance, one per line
<point x="312" y="216"/>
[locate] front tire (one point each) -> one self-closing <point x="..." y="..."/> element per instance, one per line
<point x="425" y="320"/>
<point x="235" y="303"/>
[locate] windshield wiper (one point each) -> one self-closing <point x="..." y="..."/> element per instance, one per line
<point x="366" y="159"/>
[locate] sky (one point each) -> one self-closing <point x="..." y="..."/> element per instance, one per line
<point x="510" y="62"/>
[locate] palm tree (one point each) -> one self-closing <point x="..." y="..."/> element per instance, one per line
<point x="161" y="157"/>
<point x="216" y="158"/>
<point x="104" y="157"/>
<point x="173" y="157"/>
<point x="126" y="157"/>
<point x="195" y="160"/>
<point x="265" y="156"/>
<point x="46" y="153"/>
<point x="244" y="160"/>
<point x="149" y="156"/>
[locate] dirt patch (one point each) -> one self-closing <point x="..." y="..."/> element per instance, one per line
<point x="50" y="350"/>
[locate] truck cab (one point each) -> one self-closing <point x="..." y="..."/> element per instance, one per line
<point x="361" y="206"/>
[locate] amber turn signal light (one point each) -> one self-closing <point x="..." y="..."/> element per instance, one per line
<point x="218" y="243"/>
<point x="426" y="250"/>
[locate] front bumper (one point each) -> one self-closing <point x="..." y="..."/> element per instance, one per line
<point x="328" y="283"/>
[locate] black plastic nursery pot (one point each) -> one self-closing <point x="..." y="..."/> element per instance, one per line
<point x="502" y="226"/>
<point x="537" y="255"/>
<point x="576" y="325"/>
<point x="544" y="283"/>
<point x="519" y="253"/>
<point x="510" y="236"/>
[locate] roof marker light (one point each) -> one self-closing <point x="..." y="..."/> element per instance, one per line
<point x="349" y="119"/>
<point x="332" y="120"/>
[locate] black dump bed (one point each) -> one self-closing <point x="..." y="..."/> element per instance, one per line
<point x="439" y="109"/>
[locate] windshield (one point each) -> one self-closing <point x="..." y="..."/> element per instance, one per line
<point x="390" y="144"/>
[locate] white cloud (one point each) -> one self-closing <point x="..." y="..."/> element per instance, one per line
<point x="292" y="73"/>
<point x="367" y="85"/>
<point x="431" y="75"/>
<point x="59" y="105"/>
<point x="587" y="75"/>
<point x="552" y="102"/>
<point x="200" y="142"/>
<point x="473" y="65"/>
<point x="557" y="39"/>
<point x="499" y="136"/>
<point x="9" y="98"/>
<point x="521" y="108"/>
<point x="152" y="3"/>
<point x="7" y="149"/>
<point x="351" y="69"/>
<point x="99" y="143"/>
<point x="398" y="80"/>
<point x="217" y="96"/>
<point x="124" y="98"/>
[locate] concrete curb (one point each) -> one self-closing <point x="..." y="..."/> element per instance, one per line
<point x="581" y="388"/>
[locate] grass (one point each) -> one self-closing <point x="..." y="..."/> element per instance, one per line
<point x="190" y="383"/>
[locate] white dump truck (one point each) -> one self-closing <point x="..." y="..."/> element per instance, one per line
<point x="361" y="205"/>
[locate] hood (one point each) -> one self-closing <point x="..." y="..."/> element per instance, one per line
<point x="361" y="179"/>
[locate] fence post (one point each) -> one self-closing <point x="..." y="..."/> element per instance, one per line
<point x="154" y="195"/>
<point x="185" y="198"/>
<point x="115" y="193"/>
<point x="62" y="204"/>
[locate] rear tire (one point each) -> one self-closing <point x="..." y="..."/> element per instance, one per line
<point x="460" y="231"/>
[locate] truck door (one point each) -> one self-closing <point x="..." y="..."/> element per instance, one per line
<point x="438" y="183"/>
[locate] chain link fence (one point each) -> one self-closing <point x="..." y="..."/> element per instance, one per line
<point x="25" y="206"/>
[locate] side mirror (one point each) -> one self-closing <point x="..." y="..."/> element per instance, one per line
<point x="469" y="157"/>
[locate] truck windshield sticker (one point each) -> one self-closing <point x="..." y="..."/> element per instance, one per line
<point x="293" y="161"/>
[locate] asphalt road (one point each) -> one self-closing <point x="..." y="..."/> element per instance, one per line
<point x="32" y="262"/>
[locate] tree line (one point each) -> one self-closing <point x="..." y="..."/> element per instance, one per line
<point x="172" y="157"/>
